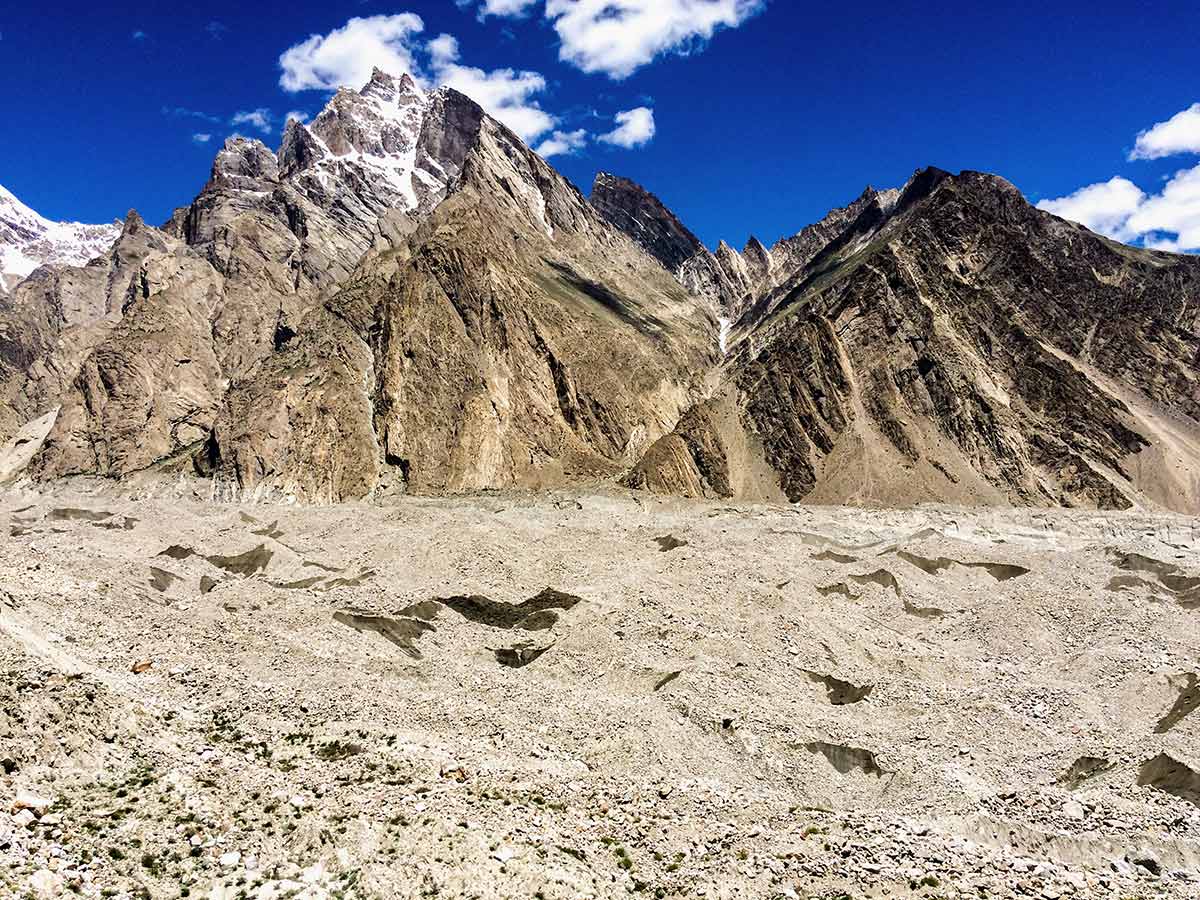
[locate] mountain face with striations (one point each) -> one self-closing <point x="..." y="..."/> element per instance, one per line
<point x="29" y="240"/>
<point x="951" y="343"/>
<point x="404" y="297"/>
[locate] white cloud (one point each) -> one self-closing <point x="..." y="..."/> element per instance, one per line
<point x="1104" y="208"/>
<point x="298" y="114"/>
<point x="1179" y="134"/>
<point x="1118" y="208"/>
<point x="201" y="138"/>
<point x="138" y="36"/>
<point x="443" y="49"/>
<point x="635" y="128"/>
<point x="617" y="37"/>
<point x="1174" y="211"/>
<point x="512" y="8"/>
<point x="346" y="56"/>
<point x="1168" y="220"/>
<point x="505" y="93"/>
<point x="563" y="143"/>
<point x="260" y="118"/>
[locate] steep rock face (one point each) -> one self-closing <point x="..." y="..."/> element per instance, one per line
<point x="732" y="282"/>
<point x="635" y="211"/>
<point x="792" y="254"/>
<point x="515" y="339"/>
<point x="956" y="344"/>
<point x="29" y="240"/>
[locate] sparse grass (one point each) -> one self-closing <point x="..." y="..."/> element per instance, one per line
<point x="623" y="858"/>
<point x="336" y="750"/>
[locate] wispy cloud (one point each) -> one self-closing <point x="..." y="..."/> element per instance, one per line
<point x="260" y="119"/>
<point x="201" y="138"/>
<point x="138" y="36"/>
<point x="182" y="112"/>
<point x="216" y="30"/>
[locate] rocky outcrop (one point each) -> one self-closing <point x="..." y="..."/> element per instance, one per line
<point x="57" y="316"/>
<point x="726" y="280"/>
<point x="635" y="211"/>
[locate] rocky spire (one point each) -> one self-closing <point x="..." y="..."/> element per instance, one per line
<point x="642" y="216"/>
<point x="758" y="260"/>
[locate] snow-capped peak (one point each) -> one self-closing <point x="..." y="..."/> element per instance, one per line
<point x="369" y="137"/>
<point x="29" y="240"/>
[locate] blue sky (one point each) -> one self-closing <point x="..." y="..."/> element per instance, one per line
<point x="766" y="113"/>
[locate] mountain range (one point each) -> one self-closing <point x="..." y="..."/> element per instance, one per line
<point x="405" y="298"/>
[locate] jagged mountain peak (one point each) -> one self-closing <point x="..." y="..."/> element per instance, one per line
<point x="242" y="158"/>
<point x="391" y="88"/>
<point x="387" y="141"/>
<point x="756" y="253"/>
<point x="645" y="218"/>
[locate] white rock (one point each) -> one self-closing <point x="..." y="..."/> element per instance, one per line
<point x="230" y="859"/>
<point x="45" y="883"/>
<point x="1077" y="880"/>
<point x="24" y="819"/>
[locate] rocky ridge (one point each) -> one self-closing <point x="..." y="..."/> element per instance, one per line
<point x="950" y="343"/>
